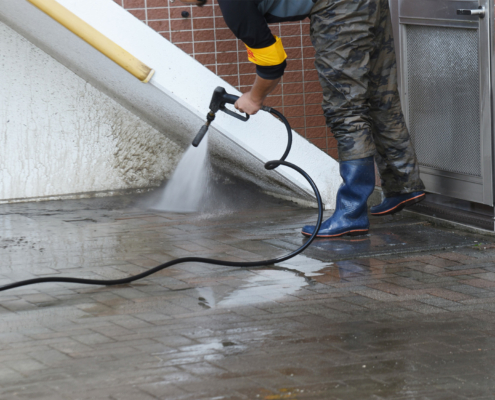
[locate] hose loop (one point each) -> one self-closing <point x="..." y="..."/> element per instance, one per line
<point x="272" y="164"/>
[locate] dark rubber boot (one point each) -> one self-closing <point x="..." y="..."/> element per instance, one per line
<point x="351" y="211"/>
<point x="391" y="205"/>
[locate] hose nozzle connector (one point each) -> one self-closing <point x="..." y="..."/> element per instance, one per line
<point x="204" y="129"/>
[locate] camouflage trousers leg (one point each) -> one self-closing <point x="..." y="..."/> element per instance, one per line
<point x="356" y="64"/>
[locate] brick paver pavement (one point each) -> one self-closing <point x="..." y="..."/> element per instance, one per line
<point x="405" y="313"/>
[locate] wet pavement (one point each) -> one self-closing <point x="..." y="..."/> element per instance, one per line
<point x="407" y="312"/>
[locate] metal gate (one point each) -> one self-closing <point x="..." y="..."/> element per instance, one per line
<point x="444" y="64"/>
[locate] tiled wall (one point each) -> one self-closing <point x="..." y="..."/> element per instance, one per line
<point x="204" y="35"/>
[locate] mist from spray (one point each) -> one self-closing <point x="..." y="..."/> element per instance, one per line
<point x="186" y="187"/>
<point x="197" y="187"/>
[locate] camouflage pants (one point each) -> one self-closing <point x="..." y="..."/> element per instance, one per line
<point x="355" y="59"/>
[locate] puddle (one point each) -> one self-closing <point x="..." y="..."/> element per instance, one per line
<point x="202" y="352"/>
<point x="265" y="285"/>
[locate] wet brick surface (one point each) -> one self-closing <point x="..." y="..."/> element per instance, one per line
<point x="405" y="313"/>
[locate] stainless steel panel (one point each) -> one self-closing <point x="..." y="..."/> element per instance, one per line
<point x="453" y="187"/>
<point x="486" y="100"/>
<point x="443" y="97"/>
<point x="445" y="69"/>
<point x="394" y="14"/>
<point x="452" y="175"/>
<point x="433" y="22"/>
<point x="437" y="10"/>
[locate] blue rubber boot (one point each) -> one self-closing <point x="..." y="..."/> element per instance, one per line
<point x="351" y="211"/>
<point x="391" y="205"/>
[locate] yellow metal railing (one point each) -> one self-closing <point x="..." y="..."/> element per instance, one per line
<point x="95" y="38"/>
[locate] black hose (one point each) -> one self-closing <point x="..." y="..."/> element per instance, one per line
<point x="269" y="166"/>
<point x="289" y="137"/>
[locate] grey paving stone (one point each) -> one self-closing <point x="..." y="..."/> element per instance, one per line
<point x="303" y="329"/>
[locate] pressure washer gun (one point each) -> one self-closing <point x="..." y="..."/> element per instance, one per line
<point x="219" y="99"/>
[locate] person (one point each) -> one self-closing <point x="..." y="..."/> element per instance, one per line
<point x="356" y="65"/>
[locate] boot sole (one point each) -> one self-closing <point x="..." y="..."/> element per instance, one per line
<point x="356" y="232"/>
<point x="400" y="206"/>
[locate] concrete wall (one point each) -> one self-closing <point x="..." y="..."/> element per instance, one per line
<point x="60" y="136"/>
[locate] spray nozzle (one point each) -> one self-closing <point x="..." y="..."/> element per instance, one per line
<point x="218" y="101"/>
<point x="202" y="132"/>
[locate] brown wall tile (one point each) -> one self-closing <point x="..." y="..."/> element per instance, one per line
<point x="233" y="80"/>
<point x="187" y="47"/>
<point x="293" y="76"/>
<point x="319" y="132"/>
<point x="203" y="23"/>
<point x="157" y="3"/>
<point x="134" y="3"/>
<point x="180" y="37"/>
<point x="205" y="11"/>
<point x="158" y="13"/>
<point x="226" y="45"/>
<point x="294" y="111"/>
<point x="176" y="13"/>
<point x="204" y="34"/>
<point x="140" y="14"/>
<point x="204" y="47"/>
<point x="160" y="26"/>
<point x="227" y="69"/>
<point x="205" y="58"/>
<point x="180" y="24"/>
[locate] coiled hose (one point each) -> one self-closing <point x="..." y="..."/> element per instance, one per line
<point x="270" y="165"/>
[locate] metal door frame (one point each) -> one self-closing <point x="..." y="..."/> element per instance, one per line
<point x="443" y="13"/>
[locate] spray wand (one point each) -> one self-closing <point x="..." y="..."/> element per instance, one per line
<point x="219" y="100"/>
